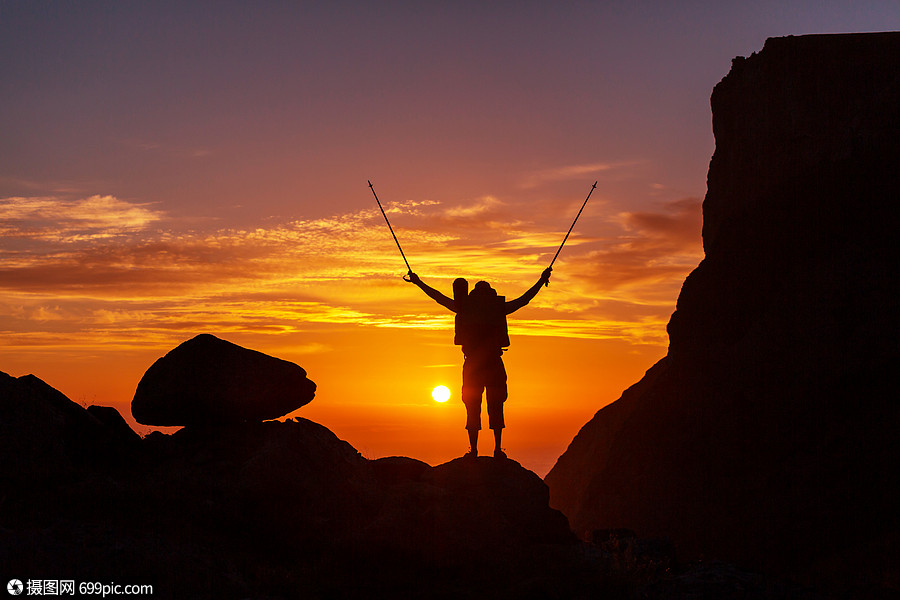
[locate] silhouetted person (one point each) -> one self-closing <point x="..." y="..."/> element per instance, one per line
<point x="482" y="333"/>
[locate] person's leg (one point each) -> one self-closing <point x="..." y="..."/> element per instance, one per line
<point x="496" y="396"/>
<point x="473" y="421"/>
<point x="472" y="390"/>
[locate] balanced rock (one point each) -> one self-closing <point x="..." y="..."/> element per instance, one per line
<point x="207" y="380"/>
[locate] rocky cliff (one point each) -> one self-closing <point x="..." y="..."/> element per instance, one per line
<point x="768" y="434"/>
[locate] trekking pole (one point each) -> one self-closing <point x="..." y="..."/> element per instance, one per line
<point x="593" y="187"/>
<point x="408" y="268"/>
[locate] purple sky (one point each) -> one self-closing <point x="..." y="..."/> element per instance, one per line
<point x="200" y="106"/>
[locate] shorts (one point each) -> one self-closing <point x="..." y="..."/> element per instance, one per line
<point x="486" y="374"/>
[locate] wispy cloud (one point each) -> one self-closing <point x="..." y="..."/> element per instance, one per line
<point x="649" y="259"/>
<point x="61" y="187"/>
<point x="60" y="220"/>
<point x="679" y="222"/>
<point x="566" y="172"/>
<point x="483" y="206"/>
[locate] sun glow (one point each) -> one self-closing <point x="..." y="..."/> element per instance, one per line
<point x="441" y="393"/>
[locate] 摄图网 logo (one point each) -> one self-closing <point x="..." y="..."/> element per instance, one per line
<point x="14" y="587"/>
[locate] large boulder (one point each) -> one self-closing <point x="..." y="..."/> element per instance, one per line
<point x="207" y="380"/>
<point x="768" y="435"/>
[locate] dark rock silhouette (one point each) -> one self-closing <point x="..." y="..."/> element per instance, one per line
<point x="44" y="436"/>
<point x="268" y="509"/>
<point x="114" y="423"/>
<point x="505" y="502"/>
<point x="474" y="510"/>
<point x="768" y="435"/>
<point x="209" y="381"/>
<point x="399" y="469"/>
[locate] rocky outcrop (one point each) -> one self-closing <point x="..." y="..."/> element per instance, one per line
<point x="767" y="436"/>
<point x="209" y="381"/>
<point x="474" y="511"/>
<point x="114" y="422"/>
<point x="44" y="436"/>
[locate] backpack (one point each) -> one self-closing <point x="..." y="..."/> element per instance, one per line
<point x="481" y="322"/>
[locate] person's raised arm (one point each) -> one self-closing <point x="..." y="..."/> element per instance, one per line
<point x="431" y="292"/>
<point x="514" y="305"/>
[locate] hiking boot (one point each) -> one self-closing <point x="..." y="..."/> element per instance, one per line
<point x="470" y="455"/>
<point x="498" y="453"/>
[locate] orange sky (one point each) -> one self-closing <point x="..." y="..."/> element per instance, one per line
<point x="168" y="170"/>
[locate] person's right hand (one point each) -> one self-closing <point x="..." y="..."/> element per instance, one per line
<point x="412" y="278"/>
<point x="545" y="276"/>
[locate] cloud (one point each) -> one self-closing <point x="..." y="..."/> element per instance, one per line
<point x="484" y="206"/>
<point x="567" y="172"/>
<point x="649" y="260"/>
<point x="59" y="187"/>
<point x="55" y="219"/>
<point x="679" y="222"/>
<point x="645" y="330"/>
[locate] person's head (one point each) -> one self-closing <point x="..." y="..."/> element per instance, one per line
<point x="483" y="289"/>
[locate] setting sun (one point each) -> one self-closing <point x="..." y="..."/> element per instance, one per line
<point x="441" y="393"/>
